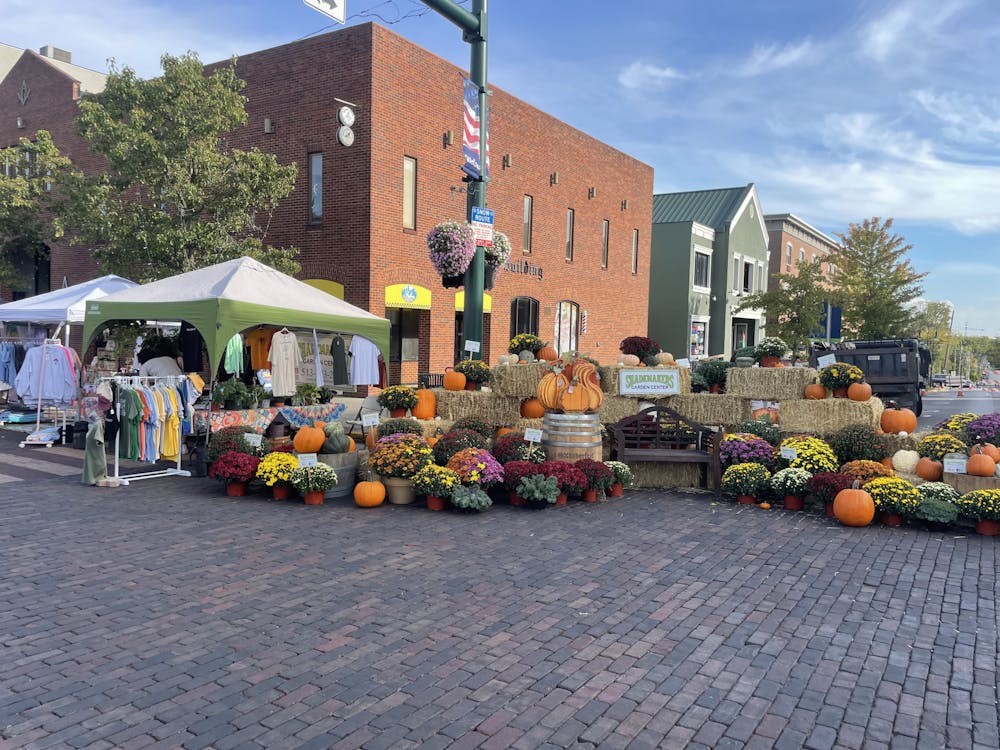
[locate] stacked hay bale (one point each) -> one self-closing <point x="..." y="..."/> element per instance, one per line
<point x="517" y="380"/>
<point x="709" y="408"/>
<point x="769" y="383"/>
<point x="827" y="415"/>
<point x="488" y="406"/>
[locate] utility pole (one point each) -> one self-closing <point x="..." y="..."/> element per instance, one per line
<point x="473" y="26"/>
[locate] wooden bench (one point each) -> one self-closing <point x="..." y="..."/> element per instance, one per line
<point x="660" y="434"/>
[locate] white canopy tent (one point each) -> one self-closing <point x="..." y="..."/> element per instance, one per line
<point x="67" y="305"/>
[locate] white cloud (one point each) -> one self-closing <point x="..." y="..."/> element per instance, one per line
<point x="967" y="118"/>
<point x="769" y="57"/>
<point x="640" y="75"/>
<point x="911" y="28"/>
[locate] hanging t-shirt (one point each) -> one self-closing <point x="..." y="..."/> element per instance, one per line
<point x="339" y="354"/>
<point x="284" y="356"/>
<point x="364" y="362"/>
<point x="233" y="361"/>
<point x="259" y="342"/>
<point x="190" y="342"/>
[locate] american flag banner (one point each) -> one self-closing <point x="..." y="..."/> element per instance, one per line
<point x="471" y="137"/>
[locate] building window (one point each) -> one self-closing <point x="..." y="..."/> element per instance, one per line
<point x="788" y="256"/>
<point x="605" y="238"/>
<point x="404" y="336"/>
<point x="523" y="316"/>
<point x="567" y="327"/>
<point x="701" y="269"/>
<point x="747" y="277"/>
<point x="802" y="255"/>
<point x="635" y="251"/>
<point x="409" y="192"/>
<point x="736" y="275"/>
<point x="526" y="231"/>
<point x="570" y="221"/>
<point x="699" y="339"/>
<point x="315" y="187"/>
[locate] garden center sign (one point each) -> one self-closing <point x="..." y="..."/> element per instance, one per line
<point x="649" y="382"/>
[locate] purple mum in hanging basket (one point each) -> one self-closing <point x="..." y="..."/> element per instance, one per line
<point x="452" y="246"/>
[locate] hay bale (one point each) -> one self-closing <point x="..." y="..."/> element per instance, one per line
<point x="660" y="475"/>
<point x="527" y="424"/>
<point x="431" y="426"/>
<point x="709" y="408"/>
<point x="769" y="383"/>
<point x="610" y="378"/>
<point x="827" y="415"/>
<point x="517" y="380"/>
<point x="493" y="409"/>
<point x="615" y="408"/>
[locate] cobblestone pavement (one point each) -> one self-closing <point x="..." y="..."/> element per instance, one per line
<point x="165" y="614"/>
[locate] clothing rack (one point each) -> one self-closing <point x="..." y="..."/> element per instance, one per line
<point x="135" y="381"/>
<point x="39" y="436"/>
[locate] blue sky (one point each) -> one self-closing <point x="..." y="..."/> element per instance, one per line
<point x="837" y="111"/>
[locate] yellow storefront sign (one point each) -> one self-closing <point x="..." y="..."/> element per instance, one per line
<point x="409" y="296"/>
<point x="460" y="302"/>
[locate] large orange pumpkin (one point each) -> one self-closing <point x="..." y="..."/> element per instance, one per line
<point x="898" y="420"/>
<point x="453" y="381"/>
<point x="815" y="392"/>
<point x="860" y="392"/>
<point x="369" y="494"/>
<point x="930" y="470"/>
<point x="854" y="507"/>
<point x="309" y="439"/>
<point x="426" y="407"/>
<point x="990" y="450"/>
<point x="548" y="353"/>
<point x="531" y="408"/>
<point x="980" y="464"/>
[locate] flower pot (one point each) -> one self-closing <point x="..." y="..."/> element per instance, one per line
<point x="470" y="386"/>
<point x="617" y="490"/>
<point x="746" y="500"/>
<point x="716" y="388"/>
<point x="769" y="361"/>
<point x="313" y="498"/>
<point x="281" y="492"/>
<point x="562" y="499"/>
<point x="399" y="490"/>
<point x="590" y="496"/>
<point x="236" y="489"/>
<point x="397" y="412"/>
<point x="793" y="503"/>
<point x="892" y="519"/>
<point x="346" y="466"/>
<point x="988" y="528"/>
<point x="829" y="510"/>
<point x="515" y="499"/>
<point x="435" y="503"/>
<point x="840" y="393"/>
<point x="452" y="282"/>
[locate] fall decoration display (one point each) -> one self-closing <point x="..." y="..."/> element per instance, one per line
<point x="894" y="496"/>
<point x="515" y="471"/>
<point x="475" y="424"/>
<point x="426" y="406"/>
<point x="369" y="494"/>
<point x="989" y="449"/>
<point x="309" y="439"/>
<point x="513" y="447"/>
<point x="859" y="392"/>
<point x="740" y="448"/>
<point x="940" y="444"/>
<point x="814" y="391"/>
<point x="531" y="408"/>
<point x="898" y="421"/>
<point x="905" y="461"/>
<point x="790" y="482"/>
<point x="854" y="507"/>
<point x="857" y="442"/>
<point x="666" y="359"/>
<point x="840" y="375"/>
<point x="811" y="454"/>
<point x="929" y="469"/>
<point x="599" y="476"/>
<point x="438" y="481"/>
<point x="336" y="440"/>
<point x="475" y="371"/>
<point x="984" y="429"/>
<point x="398" y="397"/>
<point x="275" y="469"/>
<point x="233" y="466"/>
<point x="233" y="439"/>
<point x="769" y="351"/>
<point x="399" y="455"/>
<point x="979" y="464"/>
<point x="455" y="440"/>
<point x="865" y="471"/>
<point x="400" y="424"/>
<point x="827" y="484"/>
<point x="525" y="341"/>
<point x="628" y="360"/>
<point x="453" y="380"/>
<point x="476" y="466"/>
<point x="745" y="479"/>
<point x="548" y="353"/>
<point x="980" y="505"/>
<point x="641" y="346"/>
<point x="572" y="481"/>
<point x="317" y="478"/>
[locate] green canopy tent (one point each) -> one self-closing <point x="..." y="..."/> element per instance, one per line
<point x="227" y="298"/>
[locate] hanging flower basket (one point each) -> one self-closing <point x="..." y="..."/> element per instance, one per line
<point x="452" y="245"/>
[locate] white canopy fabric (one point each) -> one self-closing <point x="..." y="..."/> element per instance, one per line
<point x="62" y="305"/>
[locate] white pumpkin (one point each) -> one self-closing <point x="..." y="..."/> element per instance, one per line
<point x="905" y="461"/>
<point x="629" y="360"/>
<point x="665" y="358"/>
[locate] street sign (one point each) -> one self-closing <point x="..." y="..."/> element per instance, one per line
<point x="336" y="9"/>
<point x="482" y="226"/>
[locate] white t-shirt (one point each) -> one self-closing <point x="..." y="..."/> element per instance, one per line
<point x="364" y="361"/>
<point x="285" y="357"/>
<point x="159" y="366"/>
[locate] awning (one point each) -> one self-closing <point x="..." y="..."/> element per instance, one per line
<point x="409" y="296"/>
<point x="460" y="302"/>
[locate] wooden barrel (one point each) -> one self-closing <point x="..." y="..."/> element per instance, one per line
<point x="570" y="437"/>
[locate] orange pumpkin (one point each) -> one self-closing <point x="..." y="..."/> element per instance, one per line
<point x="369" y="494"/>
<point x="351" y="447"/>
<point x="930" y="470"/>
<point x="854" y="507"/>
<point x="814" y="392"/>
<point x="860" y="392"/>
<point x="898" y="420"/>
<point x="548" y="353"/>
<point x="887" y="462"/>
<point x="990" y="450"/>
<point x="501" y="431"/>
<point x="426" y="407"/>
<point x="432" y="440"/>
<point x="549" y="388"/>
<point x="765" y="506"/>
<point x="309" y="439"/>
<point x="531" y="408"/>
<point x="453" y="381"/>
<point x="371" y="438"/>
<point x="319" y="424"/>
<point x="980" y="464"/>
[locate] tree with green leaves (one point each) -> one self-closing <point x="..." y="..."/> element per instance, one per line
<point x="175" y="195"/>
<point x="26" y="202"/>
<point x="876" y="280"/>
<point x="794" y="304"/>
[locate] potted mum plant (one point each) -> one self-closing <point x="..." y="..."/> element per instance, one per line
<point x="513" y="447"/>
<point x="452" y="245"/>
<point x="495" y="257"/>
<point x="769" y="351"/>
<point x="599" y="478"/>
<point x="397" y="458"/>
<point x="745" y="481"/>
<point x="476" y="466"/>
<point x="744" y="448"/>
<point x="525" y="342"/>
<point x="397" y="399"/>
<point x="642" y="347"/>
<point x="571" y="480"/>
<point x="983" y="507"/>
<point x="791" y="484"/>
<point x="476" y="373"/>
<point x="538" y="491"/>
<point x="513" y="473"/>
<point x="623" y="477"/>
<point x="839" y="376"/>
<point x="713" y="372"/>
<point x="825" y="485"/>
<point x="437" y="483"/>
<point x="312" y="481"/>
<point x="275" y="471"/>
<point x="938" y="508"/>
<point x="236" y="470"/>
<point x="895" y="498"/>
<point x="455" y="440"/>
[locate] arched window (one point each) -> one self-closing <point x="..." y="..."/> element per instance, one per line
<point x="567" y="337"/>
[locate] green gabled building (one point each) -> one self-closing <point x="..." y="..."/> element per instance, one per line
<point x="709" y="248"/>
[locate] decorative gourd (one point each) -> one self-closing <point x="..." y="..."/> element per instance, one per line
<point x="980" y="464"/>
<point x="898" y="420"/>
<point x="531" y="408"/>
<point x="426" y="407"/>
<point x="765" y="506"/>
<point x="628" y="360"/>
<point x="929" y="469"/>
<point x="369" y="494"/>
<point x="854" y="507"/>
<point x="815" y="392"/>
<point x="336" y="441"/>
<point x="309" y="439"/>
<point x="860" y="392"/>
<point x="507" y="359"/>
<point x="548" y="353"/>
<point x="905" y="461"/>
<point x="665" y="358"/>
<point x="453" y="381"/>
<point x="526" y="356"/>
<point x="886" y="461"/>
<point x="990" y="450"/>
<point x="549" y="388"/>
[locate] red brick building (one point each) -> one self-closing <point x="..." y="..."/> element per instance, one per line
<point x="577" y="211"/>
<point x="791" y="241"/>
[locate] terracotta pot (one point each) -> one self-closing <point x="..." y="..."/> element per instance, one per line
<point x="236" y="489"/>
<point x="988" y="528"/>
<point x="716" y="388"/>
<point x="397" y="412"/>
<point x="769" y="361"/>
<point x="829" y="510"/>
<point x="617" y="490"/>
<point x="793" y="503"/>
<point x="281" y="492"/>
<point x="590" y="496"/>
<point x="470" y="386"/>
<point x="435" y="503"/>
<point x="840" y="393"/>
<point x="562" y="499"/>
<point x="399" y="491"/>
<point x="746" y="500"/>
<point x="892" y="519"/>
<point x="313" y="498"/>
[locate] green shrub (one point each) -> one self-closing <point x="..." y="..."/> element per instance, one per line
<point x="858" y="442"/>
<point x="400" y="425"/>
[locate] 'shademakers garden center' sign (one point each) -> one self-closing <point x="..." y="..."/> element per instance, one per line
<point x="649" y="382"/>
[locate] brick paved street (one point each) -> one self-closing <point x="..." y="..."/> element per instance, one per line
<point x="167" y="615"/>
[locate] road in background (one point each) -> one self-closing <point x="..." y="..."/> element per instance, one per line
<point x="939" y="405"/>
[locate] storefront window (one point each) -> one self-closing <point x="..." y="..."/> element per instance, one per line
<point x="404" y="336"/>
<point x="567" y="327"/>
<point x="698" y="339"/>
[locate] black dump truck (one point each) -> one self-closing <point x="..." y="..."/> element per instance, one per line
<point x="896" y="369"/>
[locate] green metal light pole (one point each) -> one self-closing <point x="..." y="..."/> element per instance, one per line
<point x="473" y="26"/>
